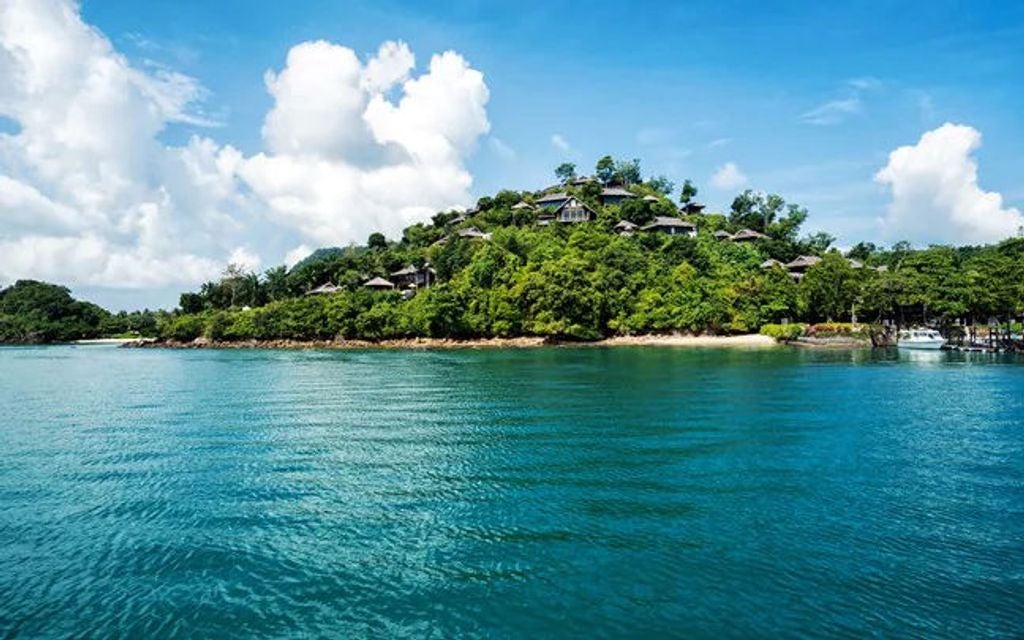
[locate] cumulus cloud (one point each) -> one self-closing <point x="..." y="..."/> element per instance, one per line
<point x="344" y="161"/>
<point x="728" y="176"/>
<point x="935" y="192"/>
<point x="89" y="195"/>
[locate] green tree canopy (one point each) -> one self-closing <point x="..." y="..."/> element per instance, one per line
<point x="565" y="172"/>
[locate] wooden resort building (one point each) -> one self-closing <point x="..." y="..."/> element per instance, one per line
<point x="473" y="233"/>
<point x="747" y="235"/>
<point x="625" y="228"/>
<point x="802" y="263"/>
<point x="722" y="234"/>
<point x="614" y="195"/>
<point x="691" y="208"/>
<point x="552" y="200"/>
<point x="798" y="267"/>
<point x="671" y="226"/>
<point x="772" y="263"/>
<point x="324" y="289"/>
<point x="413" y="277"/>
<point x="571" y="210"/>
<point x="379" y="283"/>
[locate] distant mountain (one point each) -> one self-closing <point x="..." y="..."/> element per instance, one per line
<point x="323" y="253"/>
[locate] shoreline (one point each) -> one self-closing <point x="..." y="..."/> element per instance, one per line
<point x="745" y="341"/>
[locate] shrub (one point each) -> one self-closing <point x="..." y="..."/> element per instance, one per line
<point x="184" y="328"/>
<point x="837" y="329"/>
<point x="783" y="332"/>
<point x="217" y="325"/>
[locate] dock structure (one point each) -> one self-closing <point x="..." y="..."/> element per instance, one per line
<point x="992" y="338"/>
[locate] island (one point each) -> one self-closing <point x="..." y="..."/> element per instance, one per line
<point x="592" y="258"/>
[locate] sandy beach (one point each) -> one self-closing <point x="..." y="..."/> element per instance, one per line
<point x="740" y="341"/>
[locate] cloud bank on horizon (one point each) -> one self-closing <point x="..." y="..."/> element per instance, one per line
<point x="90" y="195"/>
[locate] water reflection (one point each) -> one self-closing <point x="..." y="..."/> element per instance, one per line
<point x="922" y="357"/>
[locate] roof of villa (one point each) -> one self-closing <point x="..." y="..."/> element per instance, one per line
<point x="472" y="232"/>
<point x="379" y="282"/>
<point x="748" y="234"/>
<point x="553" y="197"/>
<point x="324" y="288"/>
<point x="803" y="261"/>
<point x="667" y="221"/>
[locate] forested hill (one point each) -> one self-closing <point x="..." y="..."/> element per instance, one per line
<point x="587" y="258"/>
<point x="510" y="267"/>
<point x="34" y="312"/>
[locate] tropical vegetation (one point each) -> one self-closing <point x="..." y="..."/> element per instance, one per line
<point x="580" y="281"/>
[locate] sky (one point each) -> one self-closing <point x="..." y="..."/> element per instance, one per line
<point x="144" y="146"/>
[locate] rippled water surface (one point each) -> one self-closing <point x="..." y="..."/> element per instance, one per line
<point x="534" y="493"/>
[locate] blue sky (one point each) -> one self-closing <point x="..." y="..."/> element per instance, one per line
<point x="685" y="88"/>
<point x="805" y="99"/>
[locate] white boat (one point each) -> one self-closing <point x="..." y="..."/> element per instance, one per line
<point x="927" y="339"/>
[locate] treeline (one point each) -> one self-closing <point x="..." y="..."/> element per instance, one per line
<point x="583" y="281"/>
<point x="34" y="312"/>
<point x="498" y="272"/>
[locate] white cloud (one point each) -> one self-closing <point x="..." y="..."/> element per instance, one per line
<point x="297" y="255"/>
<point x="390" y="66"/>
<point x="833" y="111"/>
<point x="245" y="259"/>
<point x="501" y="148"/>
<point x="559" y="142"/>
<point x="840" y="109"/>
<point x="728" y="176"/>
<point x="935" y="192"/>
<point x="719" y="142"/>
<point x="90" y="196"/>
<point x="864" y="83"/>
<point x="345" y="161"/>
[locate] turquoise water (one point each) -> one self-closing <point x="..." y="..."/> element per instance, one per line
<point x="534" y="493"/>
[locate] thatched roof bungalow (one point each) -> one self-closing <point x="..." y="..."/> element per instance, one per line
<point x="671" y="226"/>
<point x="379" y="283"/>
<point x="802" y="264"/>
<point x="614" y="195"/>
<point x="552" y="200"/>
<point x="747" y="235"/>
<point x="326" y="288"/>
<point x="414" y="277"/>
<point x="625" y="228"/>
